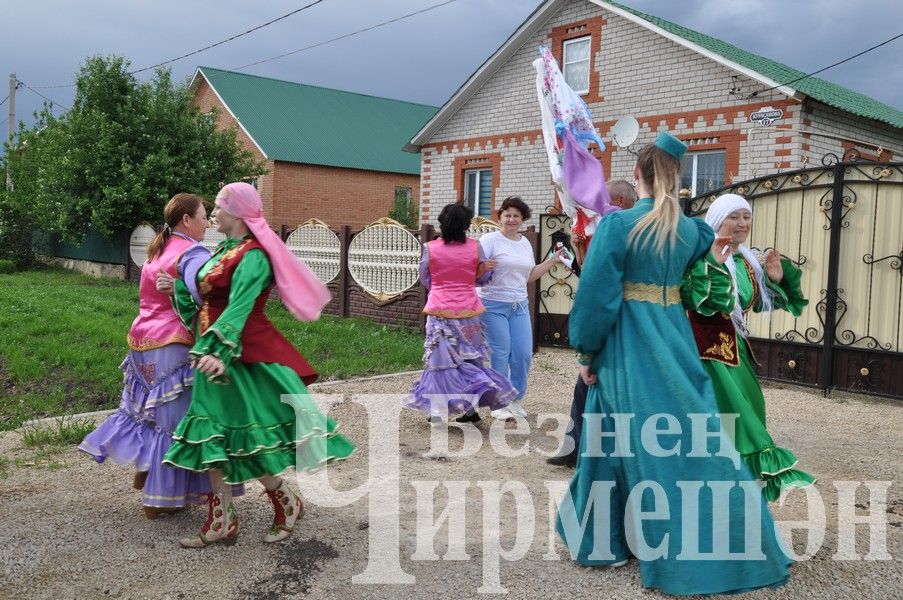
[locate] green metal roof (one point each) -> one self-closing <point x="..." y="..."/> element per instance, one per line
<point x="314" y="125"/>
<point x="817" y="89"/>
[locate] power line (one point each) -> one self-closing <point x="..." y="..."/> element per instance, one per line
<point x="754" y="94"/>
<point x="50" y="100"/>
<point x="347" y="35"/>
<point x="229" y="39"/>
<point x="2" y="102"/>
<point x="214" y="45"/>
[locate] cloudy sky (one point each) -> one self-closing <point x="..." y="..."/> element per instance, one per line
<point x="423" y="58"/>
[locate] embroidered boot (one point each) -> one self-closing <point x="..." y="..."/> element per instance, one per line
<point x="221" y="526"/>
<point x="289" y="509"/>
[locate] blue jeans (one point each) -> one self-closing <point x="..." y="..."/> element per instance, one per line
<point x="510" y="337"/>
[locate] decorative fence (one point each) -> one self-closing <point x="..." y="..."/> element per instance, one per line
<point x="372" y="272"/>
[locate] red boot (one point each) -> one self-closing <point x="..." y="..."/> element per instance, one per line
<point x="289" y="509"/>
<point x="221" y="525"/>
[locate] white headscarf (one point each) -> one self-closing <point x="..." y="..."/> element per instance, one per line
<point x="720" y="209"/>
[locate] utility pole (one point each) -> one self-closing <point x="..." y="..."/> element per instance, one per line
<point x="11" y="123"/>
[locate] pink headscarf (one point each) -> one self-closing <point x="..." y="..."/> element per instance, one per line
<point x="300" y="290"/>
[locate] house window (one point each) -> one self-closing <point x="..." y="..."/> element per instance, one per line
<point x="478" y="191"/>
<point x="577" y="64"/>
<point x="403" y="193"/>
<point x="702" y="172"/>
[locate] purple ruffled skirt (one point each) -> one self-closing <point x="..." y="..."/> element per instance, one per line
<point x="456" y="376"/>
<point x="155" y="396"/>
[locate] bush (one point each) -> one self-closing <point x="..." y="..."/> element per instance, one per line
<point x="7" y="266"/>
<point x="404" y="208"/>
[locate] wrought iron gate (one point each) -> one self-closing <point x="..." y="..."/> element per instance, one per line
<point x="842" y="224"/>
<point x="556" y="289"/>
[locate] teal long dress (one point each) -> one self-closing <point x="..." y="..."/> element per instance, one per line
<point x="238" y="422"/>
<point x="708" y="289"/>
<point x="628" y="323"/>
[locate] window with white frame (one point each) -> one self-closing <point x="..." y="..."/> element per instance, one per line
<point x="576" y="64"/>
<point x="702" y="172"/>
<point x="478" y="191"/>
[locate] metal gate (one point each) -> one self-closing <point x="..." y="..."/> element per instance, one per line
<point x="842" y="224"/>
<point x="556" y="290"/>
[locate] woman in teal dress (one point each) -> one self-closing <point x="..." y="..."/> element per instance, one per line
<point x="238" y="427"/>
<point x="657" y="502"/>
<point x="718" y="298"/>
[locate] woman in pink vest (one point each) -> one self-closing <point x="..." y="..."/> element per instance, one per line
<point x="456" y="376"/>
<point x="158" y="374"/>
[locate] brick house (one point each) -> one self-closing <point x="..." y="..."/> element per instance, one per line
<point x="485" y="143"/>
<point x="330" y="154"/>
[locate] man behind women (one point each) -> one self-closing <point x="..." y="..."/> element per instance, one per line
<point x="622" y="195"/>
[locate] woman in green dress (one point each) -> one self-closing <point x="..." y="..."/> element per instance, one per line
<point x="657" y="501"/>
<point x="718" y="297"/>
<point x="250" y="416"/>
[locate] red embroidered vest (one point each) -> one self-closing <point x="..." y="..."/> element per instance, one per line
<point x="261" y="342"/>
<point x="716" y="336"/>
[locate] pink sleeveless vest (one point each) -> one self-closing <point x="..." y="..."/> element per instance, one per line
<point x="453" y="270"/>
<point x="157" y="324"/>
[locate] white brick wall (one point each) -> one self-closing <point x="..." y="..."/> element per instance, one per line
<point x="641" y="74"/>
<point x="835" y="122"/>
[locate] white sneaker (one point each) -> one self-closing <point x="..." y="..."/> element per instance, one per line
<point x="502" y="414"/>
<point x="517" y="409"/>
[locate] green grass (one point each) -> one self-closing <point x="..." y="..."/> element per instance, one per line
<point x="63" y="431"/>
<point x="64" y="338"/>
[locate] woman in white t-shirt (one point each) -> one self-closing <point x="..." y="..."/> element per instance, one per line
<point x="507" y="316"/>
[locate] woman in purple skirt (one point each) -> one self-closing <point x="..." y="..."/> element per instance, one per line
<point x="158" y="374"/>
<point x="456" y="376"/>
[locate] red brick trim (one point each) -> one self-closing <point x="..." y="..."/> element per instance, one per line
<point x="729" y="141"/>
<point x="591" y="27"/>
<point x="710" y="115"/>
<point x="884" y="156"/>
<point x="480" y="161"/>
<point x="651" y="122"/>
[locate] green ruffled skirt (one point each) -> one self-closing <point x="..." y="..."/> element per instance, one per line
<point x="244" y="427"/>
<point x="737" y="390"/>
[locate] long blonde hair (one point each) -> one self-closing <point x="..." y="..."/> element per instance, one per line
<point x="660" y="173"/>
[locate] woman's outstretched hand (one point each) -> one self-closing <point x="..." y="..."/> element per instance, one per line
<point x="773" y="267"/>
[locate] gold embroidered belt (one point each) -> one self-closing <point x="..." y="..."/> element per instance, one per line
<point x="649" y="292"/>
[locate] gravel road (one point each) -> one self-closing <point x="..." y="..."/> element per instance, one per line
<point x="75" y="529"/>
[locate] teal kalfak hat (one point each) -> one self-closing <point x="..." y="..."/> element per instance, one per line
<point x="670" y="144"/>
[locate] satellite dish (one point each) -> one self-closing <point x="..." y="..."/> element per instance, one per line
<point x="138" y="242"/>
<point x="625" y="131"/>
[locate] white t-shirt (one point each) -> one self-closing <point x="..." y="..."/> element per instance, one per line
<point x="514" y="261"/>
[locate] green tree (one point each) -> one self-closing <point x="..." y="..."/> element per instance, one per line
<point x="404" y="208"/>
<point x="115" y="158"/>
